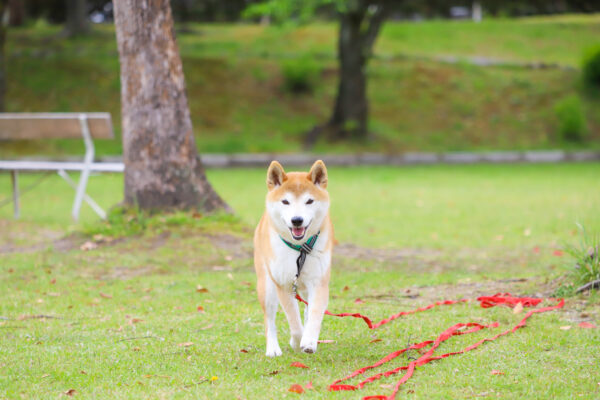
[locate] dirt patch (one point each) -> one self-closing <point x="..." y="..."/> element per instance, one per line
<point x="38" y="241"/>
<point x="349" y="250"/>
<point x="125" y="273"/>
<point x="234" y="246"/>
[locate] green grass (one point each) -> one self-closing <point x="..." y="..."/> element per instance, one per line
<point x="124" y="308"/>
<point x="238" y="101"/>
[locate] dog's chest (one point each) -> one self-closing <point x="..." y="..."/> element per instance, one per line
<point x="283" y="266"/>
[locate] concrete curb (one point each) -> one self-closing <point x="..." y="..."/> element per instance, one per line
<point x="222" y="160"/>
<point x="303" y="159"/>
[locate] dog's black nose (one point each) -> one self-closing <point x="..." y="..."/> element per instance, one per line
<point x="297" y="221"/>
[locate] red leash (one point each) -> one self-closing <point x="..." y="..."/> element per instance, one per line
<point x="427" y="357"/>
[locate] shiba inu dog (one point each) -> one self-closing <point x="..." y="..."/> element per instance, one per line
<point x="292" y="251"/>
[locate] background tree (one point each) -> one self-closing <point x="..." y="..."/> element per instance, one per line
<point x="360" y="23"/>
<point x="162" y="166"/>
<point x="77" y="22"/>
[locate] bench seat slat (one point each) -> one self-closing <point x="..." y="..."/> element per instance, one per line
<point x="28" y="126"/>
<point x="57" y="165"/>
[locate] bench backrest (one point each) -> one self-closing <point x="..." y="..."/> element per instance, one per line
<point x="21" y="126"/>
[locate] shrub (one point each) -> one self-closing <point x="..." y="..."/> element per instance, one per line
<point x="591" y="67"/>
<point x="587" y="258"/>
<point x="299" y="75"/>
<point x="571" y="119"/>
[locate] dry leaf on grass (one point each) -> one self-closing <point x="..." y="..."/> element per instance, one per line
<point x="87" y="246"/>
<point x="566" y="327"/>
<point x="243" y="351"/>
<point x="296" y="388"/>
<point x="359" y="301"/>
<point x="496" y="372"/>
<point x="200" y="309"/>
<point x="105" y="295"/>
<point x="201" y="289"/>
<point x="375" y="340"/>
<point x="186" y="344"/>
<point x="71" y="392"/>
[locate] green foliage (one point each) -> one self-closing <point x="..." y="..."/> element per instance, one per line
<point x="286" y="11"/>
<point x="591" y="67"/>
<point x="571" y="119"/>
<point x="299" y="75"/>
<point x="126" y="222"/>
<point x="586" y="256"/>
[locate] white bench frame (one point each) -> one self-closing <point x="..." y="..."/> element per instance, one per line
<point x="86" y="167"/>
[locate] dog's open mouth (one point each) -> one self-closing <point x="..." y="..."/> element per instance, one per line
<point x="298" y="233"/>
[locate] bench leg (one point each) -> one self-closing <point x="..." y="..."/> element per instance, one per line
<point x="79" y="193"/>
<point x="101" y="213"/>
<point x="15" y="187"/>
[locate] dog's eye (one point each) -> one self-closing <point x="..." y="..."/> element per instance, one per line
<point x="285" y="202"/>
<point x="310" y="201"/>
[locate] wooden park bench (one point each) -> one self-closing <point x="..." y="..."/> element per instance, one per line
<point x="39" y="126"/>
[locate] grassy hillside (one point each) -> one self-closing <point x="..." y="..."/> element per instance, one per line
<point x="234" y="82"/>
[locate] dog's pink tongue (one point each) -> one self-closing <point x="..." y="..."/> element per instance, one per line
<point x="298" y="231"/>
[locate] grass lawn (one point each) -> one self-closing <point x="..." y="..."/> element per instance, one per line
<point x="237" y="102"/>
<point x="122" y="320"/>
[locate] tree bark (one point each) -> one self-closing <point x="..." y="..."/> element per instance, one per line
<point x="162" y="166"/>
<point x="359" y="28"/>
<point x="350" y="113"/>
<point x="77" y="18"/>
<point x="17" y="12"/>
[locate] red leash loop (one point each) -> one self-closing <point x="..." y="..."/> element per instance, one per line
<point x="384" y="321"/>
<point x="507" y="299"/>
<point x="427" y="357"/>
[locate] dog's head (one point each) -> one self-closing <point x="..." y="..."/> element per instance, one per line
<point x="297" y="202"/>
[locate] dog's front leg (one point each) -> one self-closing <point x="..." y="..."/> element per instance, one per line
<point x="270" y="304"/>
<point x="292" y="312"/>
<point x="318" y="296"/>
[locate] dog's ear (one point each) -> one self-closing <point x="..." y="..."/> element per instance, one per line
<point x="318" y="174"/>
<point x="275" y="175"/>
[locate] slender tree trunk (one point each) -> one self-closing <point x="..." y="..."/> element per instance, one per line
<point x="3" y="9"/>
<point x="162" y="166"/>
<point x="17" y="12"/>
<point x="359" y="28"/>
<point x="77" y="18"/>
<point x="350" y="113"/>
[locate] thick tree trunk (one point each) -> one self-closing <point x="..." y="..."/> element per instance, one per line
<point x="162" y="167"/>
<point x="77" y="18"/>
<point x="349" y="119"/>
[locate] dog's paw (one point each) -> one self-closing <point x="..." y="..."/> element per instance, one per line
<point x="273" y="351"/>
<point x="308" y="346"/>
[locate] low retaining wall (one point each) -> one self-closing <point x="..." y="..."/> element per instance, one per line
<point x="299" y="159"/>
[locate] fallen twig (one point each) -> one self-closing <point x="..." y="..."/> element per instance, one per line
<point x="41" y="316"/>
<point x="588" y="286"/>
